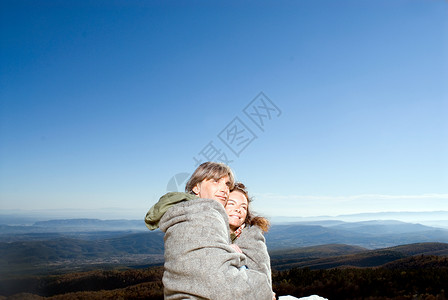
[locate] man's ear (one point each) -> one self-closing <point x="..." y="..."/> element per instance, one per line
<point x="196" y="189"/>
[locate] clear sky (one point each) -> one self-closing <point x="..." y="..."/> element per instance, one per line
<point x="103" y="102"/>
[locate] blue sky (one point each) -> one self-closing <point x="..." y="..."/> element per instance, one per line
<point x="103" y="102"/>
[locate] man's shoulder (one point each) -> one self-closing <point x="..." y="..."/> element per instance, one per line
<point x="199" y="217"/>
<point x="207" y="204"/>
<point x="199" y="208"/>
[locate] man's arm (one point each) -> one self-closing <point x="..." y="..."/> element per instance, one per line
<point x="199" y="262"/>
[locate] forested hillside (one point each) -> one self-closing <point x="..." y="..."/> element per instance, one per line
<point x="412" y="276"/>
<point x="426" y="278"/>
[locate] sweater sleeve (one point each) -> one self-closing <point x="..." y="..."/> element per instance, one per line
<point x="253" y="245"/>
<point x="199" y="262"/>
<point x="157" y="211"/>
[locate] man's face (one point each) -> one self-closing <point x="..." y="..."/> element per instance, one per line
<point x="214" y="189"/>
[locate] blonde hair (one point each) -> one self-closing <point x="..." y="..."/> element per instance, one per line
<point x="251" y="219"/>
<point x="209" y="170"/>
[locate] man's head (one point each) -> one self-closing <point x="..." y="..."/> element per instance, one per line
<point x="211" y="180"/>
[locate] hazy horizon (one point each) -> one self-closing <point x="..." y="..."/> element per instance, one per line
<point x="117" y="214"/>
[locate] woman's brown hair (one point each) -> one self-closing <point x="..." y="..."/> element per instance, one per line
<point x="251" y="219"/>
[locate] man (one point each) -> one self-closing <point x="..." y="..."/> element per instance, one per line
<point x="199" y="261"/>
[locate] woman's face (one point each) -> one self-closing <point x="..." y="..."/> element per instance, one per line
<point x="236" y="209"/>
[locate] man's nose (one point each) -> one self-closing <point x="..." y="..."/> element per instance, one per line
<point x="225" y="188"/>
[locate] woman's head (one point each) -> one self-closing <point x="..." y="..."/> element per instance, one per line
<point x="211" y="180"/>
<point x="237" y="206"/>
<point x="240" y="196"/>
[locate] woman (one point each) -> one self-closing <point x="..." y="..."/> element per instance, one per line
<point x="247" y="230"/>
<point x="237" y="209"/>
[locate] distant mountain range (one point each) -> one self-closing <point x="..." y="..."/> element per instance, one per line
<point x="69" y="225"/>
<point x="30" y="217"/>
<point x="432" y="218"/>
<point x="62" y="253"/>
<point x="77" y="243"/>
<point x="368" y="234"/>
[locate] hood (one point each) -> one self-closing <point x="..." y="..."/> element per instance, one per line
<point x="156" y="212"/>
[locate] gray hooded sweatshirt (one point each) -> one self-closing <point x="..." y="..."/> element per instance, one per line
<point x="199" y="262"/>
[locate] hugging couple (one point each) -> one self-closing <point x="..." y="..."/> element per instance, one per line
<point x="214" y="246"/>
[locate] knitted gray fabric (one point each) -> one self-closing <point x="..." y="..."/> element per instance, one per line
<point x="253" y="244"/>
<point x="199" y="262"/>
